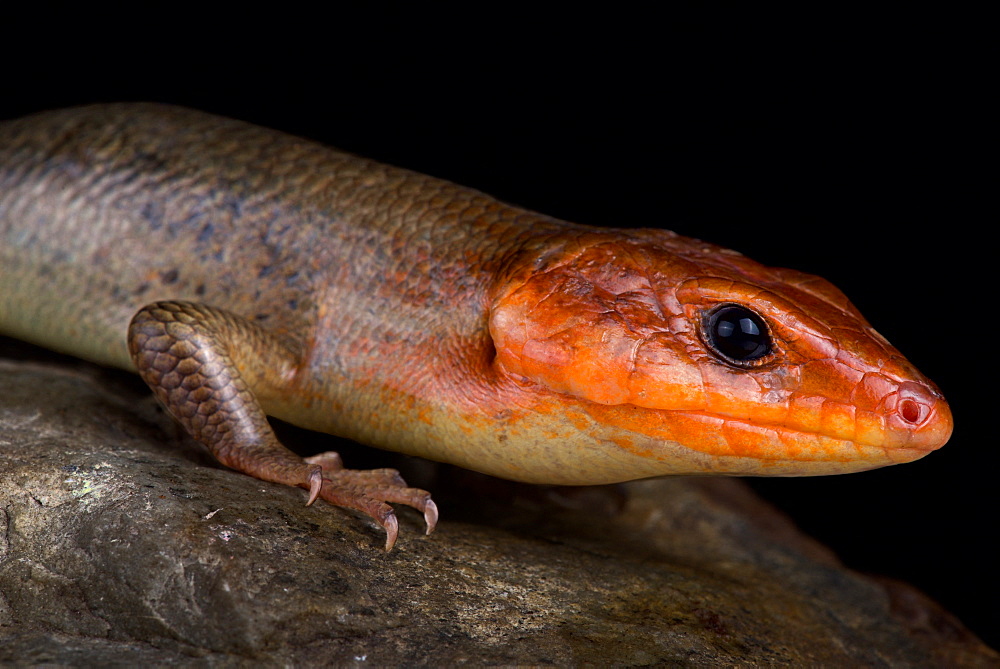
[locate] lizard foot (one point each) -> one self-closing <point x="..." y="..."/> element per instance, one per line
<point x="368" y="492"/>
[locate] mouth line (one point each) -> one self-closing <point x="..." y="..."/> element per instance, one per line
<point x="795" y="432"/>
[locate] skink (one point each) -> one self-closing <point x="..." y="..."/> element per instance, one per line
<point x="244" y="272"/>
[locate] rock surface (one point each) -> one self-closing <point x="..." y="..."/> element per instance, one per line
<point x="121" y="542"/>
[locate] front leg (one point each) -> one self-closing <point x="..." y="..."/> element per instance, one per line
<point x="209" y="368"/>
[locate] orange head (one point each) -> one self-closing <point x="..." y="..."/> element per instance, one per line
<point x="678" y="346"/>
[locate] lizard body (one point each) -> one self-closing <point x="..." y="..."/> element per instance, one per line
<point x="246" y="272"/>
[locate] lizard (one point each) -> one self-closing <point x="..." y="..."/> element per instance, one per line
<point x="246" y="273"/>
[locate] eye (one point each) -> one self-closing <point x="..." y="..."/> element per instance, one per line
<point x="736" y="335"/>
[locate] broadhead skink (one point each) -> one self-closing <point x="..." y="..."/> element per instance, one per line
<point x="244" y="272"/>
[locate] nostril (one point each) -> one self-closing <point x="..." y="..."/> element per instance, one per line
<point x="918" y="414"/>
<point x="910" y="411"/>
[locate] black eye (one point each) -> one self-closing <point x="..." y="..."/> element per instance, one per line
<point x="736" y="334"/>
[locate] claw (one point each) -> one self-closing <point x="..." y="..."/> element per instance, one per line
<point x="315" y="484"/>
<point x="391" y="526"/>
<point x="430" y="515"/>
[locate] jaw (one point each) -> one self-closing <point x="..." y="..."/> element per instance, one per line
<point x="701" y="443"/>
<point x="583" y="443"/>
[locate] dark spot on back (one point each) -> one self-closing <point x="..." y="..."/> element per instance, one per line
<point x="169" y="277"/>
<point x="153" y="213"/>
<point x="191" y="219"/>
<point x="206" y="233"/>
<point x="235" y="206"/>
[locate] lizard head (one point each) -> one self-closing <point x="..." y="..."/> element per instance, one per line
<point x="705" y="361"/>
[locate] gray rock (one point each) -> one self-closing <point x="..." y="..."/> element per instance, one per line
<point x="123" y="543"/>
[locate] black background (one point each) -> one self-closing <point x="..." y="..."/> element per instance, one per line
<point x="849" y="145"/>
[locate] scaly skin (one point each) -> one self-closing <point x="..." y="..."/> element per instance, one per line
<point x="262" y="273"/>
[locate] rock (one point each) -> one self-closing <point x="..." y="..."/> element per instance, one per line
<point x="122" y="542"/>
